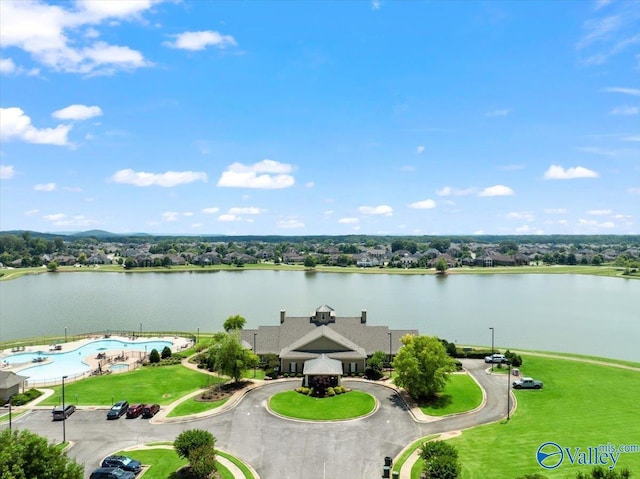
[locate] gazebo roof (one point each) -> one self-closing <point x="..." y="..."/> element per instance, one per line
<point x="323" y="366"/>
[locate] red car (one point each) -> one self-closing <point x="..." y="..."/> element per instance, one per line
<point x="134" y="410"/>
<point x="150" y="410"/>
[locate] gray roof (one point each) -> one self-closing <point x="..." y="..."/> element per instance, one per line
<point x="9" y="379"/>
<point x="274" y="339"/>
<point x="322" y="339"/>
<point x="323" y="365"/>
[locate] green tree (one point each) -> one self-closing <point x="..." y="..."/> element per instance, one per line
<point x="310" y="262"/>
<point x="234" y="323"/>
<point x="375" y="364"/>
<point x="602" y="473"/>
<point x="202" y="461"/>
<point x="154" y="356"/>
<point x="441" y="244"/>
<point x="422" y="366"/>
<point x="166" y="352"/>
<point x="129" y="263"/>
<point x="25" y="455"/>
<point x="440" y="460"/>
<point x="191" y="440"/>
<point x="52" y="266"/>
<point x="232" y="359"/>
<point x="441" y="265"/>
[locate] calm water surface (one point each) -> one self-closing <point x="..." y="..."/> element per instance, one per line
<point x="571" y="313"/>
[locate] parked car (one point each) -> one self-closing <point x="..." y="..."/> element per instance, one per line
<point x="111" y="473"/>
<point x="134" y="410"/>
<point x="59" y="413"/>
<point x="496" y="358"/>
<point x="118" y="409"/>
<point x="123" y="462"/>
<point x="527" y="383"/>
<point x="150" y="410"/>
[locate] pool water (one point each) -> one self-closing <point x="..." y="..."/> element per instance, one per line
<point x="70" y="363"/>
<point x="119" y="367"/>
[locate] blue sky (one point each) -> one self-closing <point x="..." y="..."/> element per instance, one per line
<point x="294" y="118"/>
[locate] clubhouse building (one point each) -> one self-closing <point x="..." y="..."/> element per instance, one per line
<point x="323" y="343"/>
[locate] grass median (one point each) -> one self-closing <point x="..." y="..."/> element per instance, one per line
<point x="581" y="405"/>
<point x="461" y="394"/>
<point x="161" y="385"/>
<point x="344" y="406"/>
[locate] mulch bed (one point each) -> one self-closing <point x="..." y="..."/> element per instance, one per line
<point x="222" y="391"/>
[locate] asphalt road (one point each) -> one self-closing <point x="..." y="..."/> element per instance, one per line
<point x="278" y="448"/>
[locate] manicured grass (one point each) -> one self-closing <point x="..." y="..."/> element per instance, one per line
<point x="344" y="406"/>
<point x="241" y="465"/>
<point x="191" y="406"/>
<point x="14" y="416"/>
<point x="161" y="385"/>
<point x="461" y="394"/>
<point x="581" y="405"/>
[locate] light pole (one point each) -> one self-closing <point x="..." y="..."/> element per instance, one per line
<point x="65" y="334"/>
<point x="254" y="352"/>
<point x="9" y="403"/>
<point x="64" y="414"/>
<point x="198" y="335"/>
<point x="492" y="331"/>
<point x="140" y="329"/>
<point x="390" y="353"/>
<point x="508" y="389"/>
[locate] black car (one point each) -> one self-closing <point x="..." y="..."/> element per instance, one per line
<point x="118" y="409"/>
<point x="150" y="410"/>
<point x="111" y="473"/>
<point x="60" y="414"/>
<point x="123" y="462"/>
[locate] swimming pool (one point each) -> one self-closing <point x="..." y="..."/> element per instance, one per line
<point x="70" y="363"/>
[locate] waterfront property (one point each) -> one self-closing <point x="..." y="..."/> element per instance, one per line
<point x="348" y="340"/>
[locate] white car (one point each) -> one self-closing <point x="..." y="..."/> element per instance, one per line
<point x="496" y="358"/>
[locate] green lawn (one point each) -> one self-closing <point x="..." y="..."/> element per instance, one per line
<point x="344" y="406"/>
<point x="399" y="462"/>
<point x="191" y="406"/>
<point x="581" y="405"/>
<point x="461" y="394"/>
<point x="161" y="385"/>
<point x="245" y="470"/>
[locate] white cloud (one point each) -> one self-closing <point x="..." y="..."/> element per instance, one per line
<point x="200" y="40"/>
<point x="502" y="112"/>
<point x="520" y="215"/>
<point x="555" y="211"/>
<point x="54" y="35"/>
<point x="197" y="225"/>
<point x="423" y="205"/>
<point x="45" y="187"/>
<point x="167" y="179"/>
<point x="72" y="189"/>
<point x="290" y="224"/>
<point x="526" y="229"/>
<point x="77" y="112"/>
<point x="309" y="184"/>
<point x="594" y="150"/>
<point x="55" y="217"/>
<point x="448" y="191"/>
<point x="385" y="210"/>
<point x="557" y="172"/>
<point x="251" y="210"/>
<point x="420" y="149"/>
<point x="210" y="211"/>
<point x="348" y="221"/>
<point x="407" y="168"/>
<point x="497" y="190"/>
<point x="631" y="138"/>
<point x="14" y="124"/>
<point x="599" y="212"/>
<point x="376" y="4"/>
<point x="626" y="91"/>
<point x="228" y="218"/>
<point x="266" y="174"/>
<point x="31" y="212"/>
<point x="513" y="167"/>
<point x="328" y="212"/>
<point x="7" y="172"/>
<point x="188" y="213"/>
<point x="170" y="216"/>
<point x="625" y="110"/>
<point x="7" y="65"/>
<point x="607" y="225"/>
<point x="633" y="191"/>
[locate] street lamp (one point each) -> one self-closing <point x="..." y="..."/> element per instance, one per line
<point x="254" y="352"/>
<point x="198" y="335"/>
<point x="508" y="389"/>
<point x="64" y="414"/>
<point x="390" y="353"/>
<point x="9" y="404"/>
<point x="492" y="331"/>
<point x="140" y="329"/>
<point x="65" y="334"/>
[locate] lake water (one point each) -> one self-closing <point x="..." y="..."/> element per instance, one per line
<point x="571" y="313"/>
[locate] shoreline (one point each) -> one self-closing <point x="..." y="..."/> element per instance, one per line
<point x="9" y="274"/>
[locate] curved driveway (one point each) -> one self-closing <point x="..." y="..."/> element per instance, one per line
<point x="278" y="448"/>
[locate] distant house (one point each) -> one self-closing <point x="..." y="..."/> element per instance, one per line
<point x="349" y="340"/>
<point x="99" y="259"/>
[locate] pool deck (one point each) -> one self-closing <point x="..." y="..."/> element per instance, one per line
<point x="95" y="363"/>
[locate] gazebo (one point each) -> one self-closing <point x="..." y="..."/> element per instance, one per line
<point x="322" y="366"/>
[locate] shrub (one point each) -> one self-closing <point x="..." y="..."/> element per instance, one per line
<point x="330" y="392"/>
<point x="154" y="356"/>
<point x="166" y="352"/>
<point x="193" y="439"/>
<point x="25" y="397"/>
